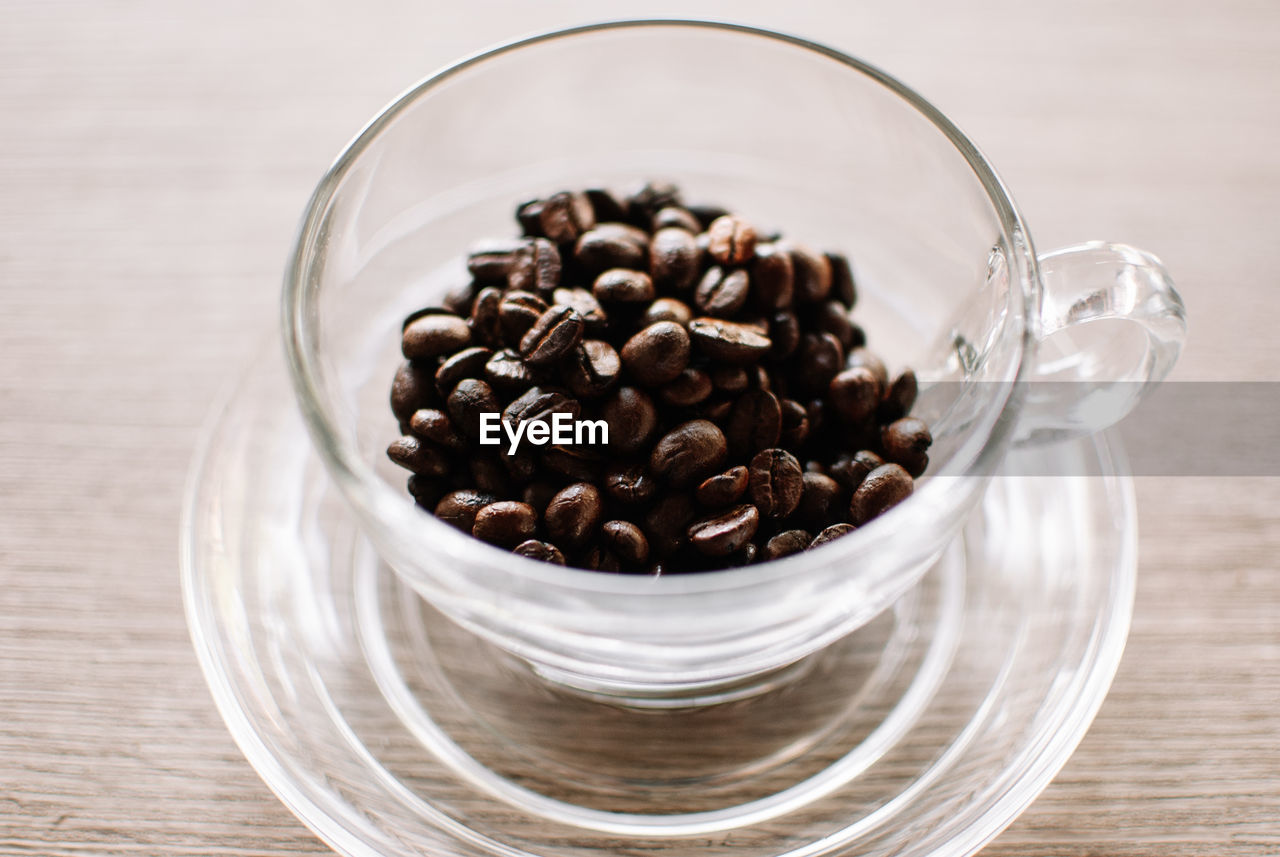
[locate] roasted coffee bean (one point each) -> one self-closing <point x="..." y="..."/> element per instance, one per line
<point x="574" y="514"/>
<point x="647" y="200"/>
<point x="486" y="327"/>
<point x="812" y="274"/>
<point x="854" y="395"/>
<point x="755" y="423"/>
<point x="658" y="354"/>
<point x="772" y="277"/>
<point x="606" y="207"/>
<point x="722" y="293"/>
<point x="831" y="533"/>
<point x="626" y="541"/>
<point x="630" y="484"/>
<point x="426" y="490"/>
<point x="543" y="551"/>
<point x="434" y="426"/>
<point x="816" y="409"/>
<point x="521" y="466"/>
<point x="612" y="245"/>
<point x="469" y="399"/>
<point x="490" y="261"/>
<point x="831" y="317"/>
<point x="820" y="502"/>
<point x="592" y="369"/>
<point x="459" y="508"/>
<point x="899" y="398"/>
<point x="817" y="361"/>
<point x="467" y="363"/>
<point x="726" y="532"/>
<point x="538" y="404"/>
<point x="419" y="457"/>
<point x="556" y="332"/>
<point x="730" y="379"/>
<point x="632" y="419"/>
<point x="724" y="488"/>
<point x="795" y="424"/>
<point x="535" y="267"/>
<point x="776" y="482"/>
<point x="862" y="357"/>
<point x="587" y="307"/>
<point x="673" y="259"/>
<point x="688" y="389"/>
<point x="850" y="470"/>
<point x="434" y="335"/>
<point x="538" y="494"/>
<point x="675" y="217"/>
<point x="884" y="488"/>
<point x="784" y="331"/>
<point x="689" y="452"/>
<point x="623" y="286"/>
<point x="906" y="442"/>
<point x="528" y="215"/>
<point x="732" y="241"/>
<point x="505" y="523"/>
<point x="565" y="216"/>
<point x="666" y="522"/>
<point x="507" y="371"/>
<point x="716" y="410"/>
<point x="576" y="463"/>
<point x="667" y="309"/>
<point x="413" y="389"/>
<point x="843" y="286"/>
<point x="727" y="341"/>
<point x="459" y="299"/>
<point x="517" y="312"/>
<point x="786" y="543"/>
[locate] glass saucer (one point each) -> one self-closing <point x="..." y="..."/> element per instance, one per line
<point x="390" y="731"/>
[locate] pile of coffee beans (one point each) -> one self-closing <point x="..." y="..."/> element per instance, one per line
<point x="746" y="418"/>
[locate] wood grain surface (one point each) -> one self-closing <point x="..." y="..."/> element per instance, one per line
<point x="154" y="159"/>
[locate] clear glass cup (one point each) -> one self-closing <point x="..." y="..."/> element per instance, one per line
<point x="790" y="134"/>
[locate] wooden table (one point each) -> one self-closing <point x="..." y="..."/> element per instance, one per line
<point x="154" y="158"/>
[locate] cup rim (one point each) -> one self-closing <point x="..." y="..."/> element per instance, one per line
<point x="370" y="496"/>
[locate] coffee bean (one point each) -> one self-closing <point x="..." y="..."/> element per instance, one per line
<point x="520" y="465"/>
<point x="426" y="490"/>
<point x="612" y="245"/>
<point x="657" y="354"/>
<point x="795" y="424"/>
<point x="539" y="404"/>
<point x="850" y="470"/>
<point x="535" y="267"/>
<point x="606" y="207"/>
<point x="673" y="259"/>
<point x="556" y="332"/>
<point x="507" y="371"/>
<point x="625" y="540"/>
<point x="755" y="423"/>
<point x="413" y="389"/>
<point x="587" y="307"/>
<point x="489" y="261"/>
<point x="647" y="200"/>
<point x="459" y="299"/>
<point x="459" y="508"/>
<point x="831" y="533"/>
<point x="486" y="327"/>
<point x="906" y="442"/>
<point x="434" y="425"/>
<point x="722" y="293"/>
<point x="843" y="286"/>
<point x="899" y="398"/>
<point x="517" y="312"/>
<point x="434" y="336"/>
<point x="724" y="488"/>
<point x="707" y="214"/>
<point x="820" y="502"/>
<point x="467" y="363"/>
<point x="730" y="379"/>
<point x="620" y="285"/>
<point x="667" y="309"/>
<point x="538" y="494"/>
<point x="489" y="474"/>
<point x="630" y="484"/>
<point x="528" y="215"/>
<point x="884" y="488"/>
<point x="818" y="359"/>
<point x="576" y="463"/>
<point x="505" y="523"/>
<point x="727" y="341"/>
<point x="716" y="410"/>
<point x="776" y="482"/>
<point x="772" y="277"/>
<point x="812" y="274"/>
<point x="831" y="317"/>
<point x="467" y="402"/>
<point x="732" y="241"/>
<point x="675" y="217"/>
<point x="599" y="558"/>
<point x="592" y="369"/>
<point x="419" y="457"/>
<point x="574" y="514"/>
<point x="786" y="543"/>
<point x="726" y="532"/>
<point x="666" y="522"/>
<point x="543" y="551"/>
<point x="565" y="216"/>
<point x="862" y="357"/>
<point x="688" y="389"/>
<point x="632" y="419"/>
<point x="854" y="395"/>
<point x="691" y="451"/>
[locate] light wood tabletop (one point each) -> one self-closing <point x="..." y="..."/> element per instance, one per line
<point x="154" y="160"/>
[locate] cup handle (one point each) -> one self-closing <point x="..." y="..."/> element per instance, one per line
<point x="1087" y="376"/>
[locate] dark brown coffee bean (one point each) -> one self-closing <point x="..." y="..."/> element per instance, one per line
<point x="689" y="452"/>
<point x="489" y="475"/>
<point x="467" y="363"/>
<point x="606" y="207"/>
<point x="776" y="482"/>
<point x="784" y="331"/>
<point x="831" y="533"/>
<point x="820" y="502"/>
<point x="899" y="398"/>
<point x="732" y="241"/>
<point x="459" y="508"/>
<point x="831" y="317"/>
<point x="592" y="369"/>
<point x="489" y="261"/>
<point x="645" y="201"/>
<point x="727" y="341"/>
<point x="468" y="401"/>
<point x="716" y="410"/>
<point x="688" y="389"/>
<point x="707" y="214"/>
<point x="884" y="488"/>
<point x="786" y="543"/>
<point x="528" y="215"/>
<point x="419" y="457"/>
<point x="795" y="424"/>
<point x="505" y="523"/>
<point x="538" y="494"/>
<point x="730" y="379"/>
<point x="535" y="267"/>
<point x="565" y="216"/>
<point x="434" y="425"/>
<point x="658" y="354"/>
<point x="726" y="532"/>
<point x="521" y="465"/>
<point x="812" y="275"/>
<point x="620" y="285"/>
<point x="675" y="217"/>
<point x="755" y="423"/>
<point x="906" y="442"/>
<point x="413" y="389"/>
<point x="585" y="305"/>
<point x="517" y="312"/>
<point x="427" y="490"/>
<point x="574" y="514"/>
<point x="630" y="484"/>
<point x="854" y="395"/>
<point x="850" y="470"/>
<point x="817" y="361"/>
<point x="723" y="489"/>
<point x="486" y="327"/>
<point x="862" y="357"/>
<point x="458" y="300"/>
<point x="673" y="259"/>
<point x="817" y="412"/>
<point x="722" y="293"/>
<point x="626" y="541"/>
<point x="543" y="551"/>
<point x="612" y="245"/>
<point x="632" y="419"/>
<point x="666" y="522"/>
<point x="843" y="286"/>
<point x="772" y="277"/>
<point x="556" y="332"/>
<point x="539" y="405"/>
<point x="577" y="463"/>
<point x="507" y="371"/>
<point x="434" y="336"/>
<point x="667" y="309"/>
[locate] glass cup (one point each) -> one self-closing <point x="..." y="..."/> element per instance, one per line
<point x="787" y="133"/>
